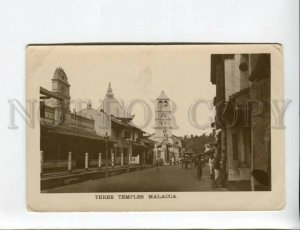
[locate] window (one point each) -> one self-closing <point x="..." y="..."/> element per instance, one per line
<point x="159" y="105"/>
<point x="117" y="133"/>
<point x="127" y="135"/>
<point x="165" y="133"/>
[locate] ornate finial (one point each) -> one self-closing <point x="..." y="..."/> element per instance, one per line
<point x="59" y="74"/>
<point x="162" y="95"/>
<point x="109" y="88"/>
<point x="89" y="105"/>
<point x="109" y="92"/>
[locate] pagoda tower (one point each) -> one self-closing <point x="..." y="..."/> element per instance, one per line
<point x="163" y="128"/>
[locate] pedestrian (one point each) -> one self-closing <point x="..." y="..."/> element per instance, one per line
<point x="172" y="160"/>
<point x="199" y="168"/>
<point x="195" y="160"/>
<point x="157" y="163"/>
<point x="217" y="167"/>
<point x="185" y="162"/>
<point x="211" y="166"/>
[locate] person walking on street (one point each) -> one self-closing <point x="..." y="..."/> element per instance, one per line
<point x="211" y="166"/>
<point x="194" y="162"/>
<point x="186" y="161"/>
<point x="157" y="163"/>
<point x="199" y="168"/>
<point x="217" y="167"/>
<point x="182" y="162"/>
<point x="172" y="160"/>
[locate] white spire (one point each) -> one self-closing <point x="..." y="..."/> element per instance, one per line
<point x="109" y="93"/>
<point x="162" y="95"/>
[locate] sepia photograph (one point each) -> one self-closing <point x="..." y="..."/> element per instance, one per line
<point x="156" y="119"/>
<point x="149" y="114"/>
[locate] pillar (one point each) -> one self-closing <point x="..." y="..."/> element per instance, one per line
<point x="70" y="161"/>
<point x="42" y="160"/>
<point x="112" y="159"/>
<point x="144" y="156"/>
<point x="99" y="161"/>
<point x="58" y="154"/>
<point x="122" y="156"/>
<point x="155" y="158"/>
<point x="242" y="146"/>
<point x="129" y="158"/>
<point x="86" y="161"/>
<point x="252" y="183"/>
<point x="57" y="115"/>
<point x="129" y="153"/>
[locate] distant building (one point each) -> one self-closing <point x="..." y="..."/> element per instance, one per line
<point x="168" y="145"/>
<point x="177" y="146"/>
<point x="163" y="128"/>
<point x="130" y="145"/>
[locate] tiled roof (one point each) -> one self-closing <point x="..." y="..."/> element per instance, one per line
<point x="125" y="124"/>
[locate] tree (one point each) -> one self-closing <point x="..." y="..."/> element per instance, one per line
<point x="196" y="143"/>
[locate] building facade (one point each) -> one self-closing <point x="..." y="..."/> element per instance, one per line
<point x="89" y="138"/>
<point x="242" y="89"/>
<point x="67" y="140"/>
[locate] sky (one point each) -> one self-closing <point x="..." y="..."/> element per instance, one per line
<point x="135" y="72"/>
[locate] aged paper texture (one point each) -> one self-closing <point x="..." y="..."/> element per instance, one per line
<point x="155" y="127"/>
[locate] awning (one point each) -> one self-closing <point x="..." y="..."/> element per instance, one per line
<point x="72" y="131"/>
<point x="148" y="142"/>
<point x="210" y="151"/>
<point x="161" y="144"/>
<point x="138" y="144"/>
<point x="49" y="94"/>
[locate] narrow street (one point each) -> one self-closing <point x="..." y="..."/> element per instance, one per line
<point x="164" y="179"/>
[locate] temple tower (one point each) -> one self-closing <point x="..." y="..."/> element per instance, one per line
<point x="163" y="128"/>
<point x="61" y="86"/>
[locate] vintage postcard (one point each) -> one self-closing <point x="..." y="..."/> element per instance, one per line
<point x="155" y="127"/>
